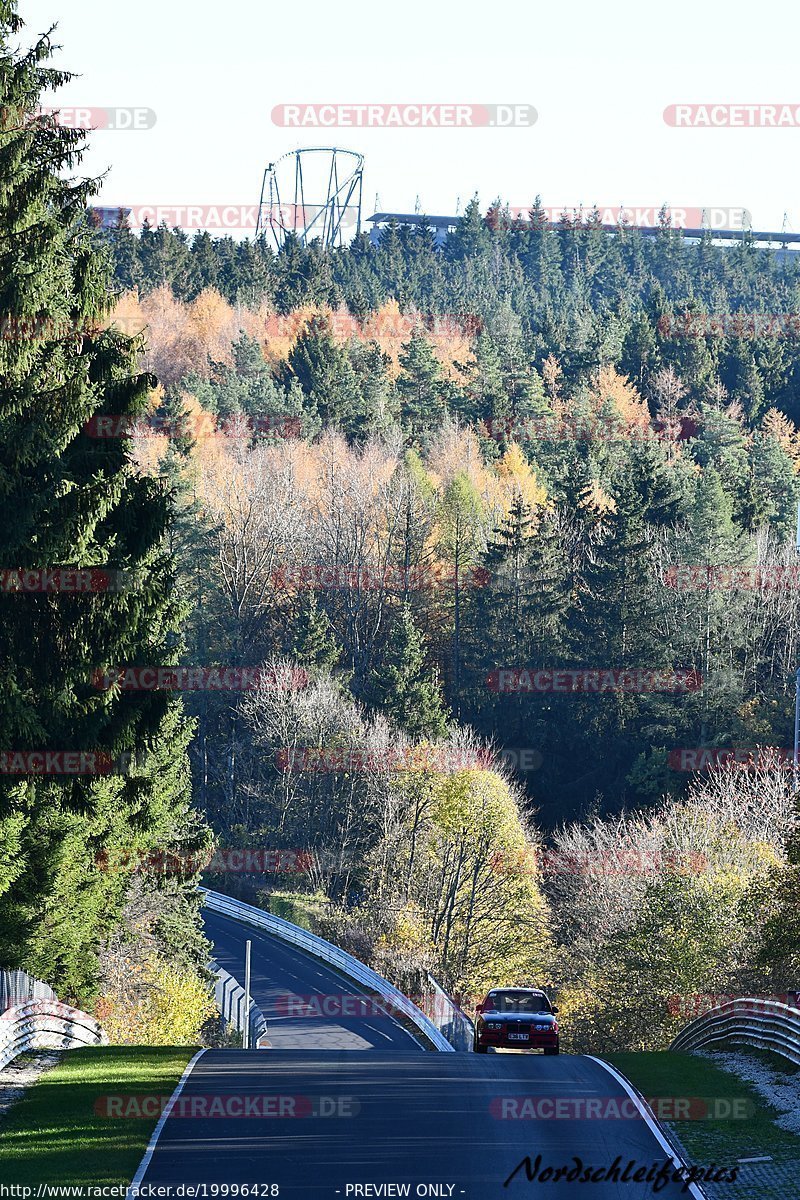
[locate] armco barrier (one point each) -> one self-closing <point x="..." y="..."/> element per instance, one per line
<point x="748" y="1021"/>
<point x="18" y="987"/>
<point x="229" y="996"/>
<point x="329" y="953"/>
<point x="46" y="1025"/>
<point x="449" y="1019"/>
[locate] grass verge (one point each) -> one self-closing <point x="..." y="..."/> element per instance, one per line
<point x="54" y="1135"/>
<point x="709" y="1136"/>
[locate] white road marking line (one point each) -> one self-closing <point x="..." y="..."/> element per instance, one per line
<point x="649" y="1120"/>
<point x="135" y="1183"/>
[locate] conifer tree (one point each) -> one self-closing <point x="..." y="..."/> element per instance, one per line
<point x="75" y="501"/>
<point x="313" y="640"/>
<point x="421" y="385"/>
<point x="407" y="689"/>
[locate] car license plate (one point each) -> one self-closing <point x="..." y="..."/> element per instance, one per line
<point x="518" y="1037"/>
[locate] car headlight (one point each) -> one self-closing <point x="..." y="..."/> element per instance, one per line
<point x="495" y="1026"/>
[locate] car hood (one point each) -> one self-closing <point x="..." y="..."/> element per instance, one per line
<point x="491" y="1014"/>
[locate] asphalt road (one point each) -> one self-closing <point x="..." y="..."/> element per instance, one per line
<point x="336" y="1124"/>
<point x="283" y="978"/>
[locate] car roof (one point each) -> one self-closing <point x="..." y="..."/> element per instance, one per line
<point x="518" y="990"/>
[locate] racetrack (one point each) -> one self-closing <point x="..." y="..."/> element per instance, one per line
<point x="281" y="974"/>
<point x="312" y="1120"/>
<point x="331" y="1122"/>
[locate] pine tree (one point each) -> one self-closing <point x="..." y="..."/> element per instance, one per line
<point x="471" y="236"/>
<point x="164" y="257"/>
<point x="460" y="518"/>
<point x="75" y="501"/>
<point x="406" y="688"/>
<point x="124" y="246"/>
<point x="421" y="386"/>
<point x="324" y="371"/>
<point x="313" y="640"/>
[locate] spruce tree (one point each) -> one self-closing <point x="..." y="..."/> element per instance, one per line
<point x="74" y="500"/>
<point x="407" y="689"/>
<point x="421" y="385"/>
<point x="313" y="640"/>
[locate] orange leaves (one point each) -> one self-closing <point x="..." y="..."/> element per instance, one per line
<point x="611" y="388"/>
<point x="517" y="478"/>
<point x="180" y="337"/>
<point x="455" y="451"/>
<point x="128" y="315"/>
<point x="388" y="326"/>
<point x="185" y="338"/>
<point x="778" y="426"/>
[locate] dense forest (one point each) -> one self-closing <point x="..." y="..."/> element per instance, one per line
<point x="519" y="440"/>
<point x="527" y="503"/>
<point x="445" y="581"/>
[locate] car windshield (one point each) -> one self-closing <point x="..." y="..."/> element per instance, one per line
<point x="518" y="1002"/>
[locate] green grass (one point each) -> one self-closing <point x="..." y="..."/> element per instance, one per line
<point x="53" y="1134"/>
<point x="301" y="908"/>
<point x="685" y="1075"/>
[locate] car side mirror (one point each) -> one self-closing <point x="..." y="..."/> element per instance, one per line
<point x="478" y="1008"/>
<point x="554" y="1007"/>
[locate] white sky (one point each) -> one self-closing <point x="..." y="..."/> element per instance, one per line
<point x="599" y="76"/>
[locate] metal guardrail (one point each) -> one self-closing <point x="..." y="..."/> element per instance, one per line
<point x="747" y="1021"/>
<point x="329" y="953"/>
<point x="46" y="1025"/>
<point x="229" y="996"/>
<point x="449" y="1019"/>
<point x="17" y="987"/>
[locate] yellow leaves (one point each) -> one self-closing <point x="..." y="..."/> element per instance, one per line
<point x="392" y="329"/>
<point x="597" y="500"/>
<point x="617" y="390"/>
<point x="388" y="326"/>
<point x="180" y="337"/>
<point x="455" y="451"/>
<point x="278" y="333"/>
<point x="518" y="479"/>
<point x="213" y="324"/>
<point x="479" y="800"/>
<point x="551" y="374"/>
<point x="128" y="315"/>
<point x="158" y="1005"/>
<point x="784" y="431"/>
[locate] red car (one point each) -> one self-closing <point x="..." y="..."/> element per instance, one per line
<point x="516" y="1019"/>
